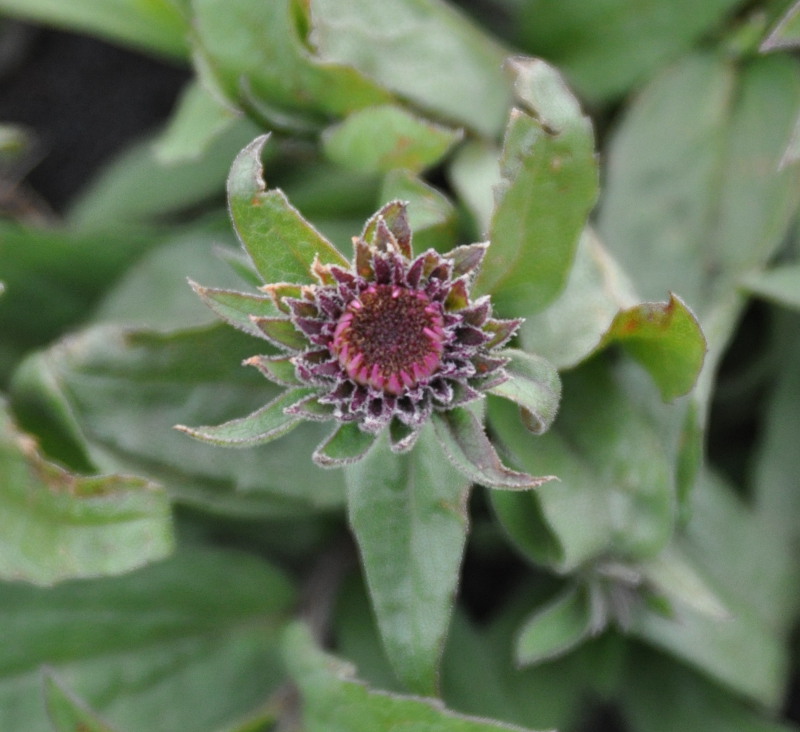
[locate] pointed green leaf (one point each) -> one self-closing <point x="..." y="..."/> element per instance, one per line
<point x="548" y="187"/>
<point x="383" y="138"/>
<point x="281" y="332"/>
<point x="335" y="701"/>
<point x="780" y="285"/>
<point x="258" y="428"/>
<point x="533" y="384"/>
<point x="786" y="33"/>
<point x="236" y="307"/>
<point x="281" y="243"/>
<point x="279" y="369"/>
<point x="56" y="525"/>
<point x="666" y="339"/>
<point x="408" y="513"/>
<point x="200" y="620"/>
<point x="347" y="444"/>
<point x="465" y="443"/>
<point x="556" y="628"/>
<point x="67" y="712"/>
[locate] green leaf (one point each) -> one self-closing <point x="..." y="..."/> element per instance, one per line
<point x="780" y="285"/>
<point x="549" y="186"/>
<point x="198" y="119"/>
<point x="556" y="628"/>
<point x="424" y="51"/>
<point x="409" y="516"/>
<point x="281" y="243"/>
<point x="201" y="620"/>
<point x="126" y="389"/>
<point x="616" y="494"/>
<point x="573" y="325"/>
<point x="381" y="139"/>
<point x="260" y="57"/>
<point x="464" y="441"/>
<point x="533" y="384"/>
<point x="347" y="444"/>
<point x="431" y="215"/>
<point x="666" y="339"/>
<point x="235" y="307"/>
<point x="67" y="712"/>
<point x="639" y="37"/>
<point x="152" y="25"/>
<point x="262" y="426"/>
<point x="55" y="525"/>
<point x="334" y="701"/>
<point x="744" y="561"/>
<point x="786" y="34"/>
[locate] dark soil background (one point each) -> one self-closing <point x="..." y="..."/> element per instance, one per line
<point x="83" y="99"/>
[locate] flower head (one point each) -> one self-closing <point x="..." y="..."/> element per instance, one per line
<point x="392" y="338"/>
<point x="384" y="343"/>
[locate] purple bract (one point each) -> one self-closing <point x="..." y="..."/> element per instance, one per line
<point x="393" y="337"/>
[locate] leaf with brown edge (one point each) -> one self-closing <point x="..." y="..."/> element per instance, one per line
<point x="666" y="339"/>
<point x="395" y="217"/>
<point x="56" y="525"/>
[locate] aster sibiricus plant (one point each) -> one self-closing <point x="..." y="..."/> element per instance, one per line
<point x="383" y="344"/>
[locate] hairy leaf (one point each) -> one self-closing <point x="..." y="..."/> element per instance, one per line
<point x="281" y="243"/>
<point x="334" y="701"/>
<point x="408" y="513"/>
<point x="549" y="185"/>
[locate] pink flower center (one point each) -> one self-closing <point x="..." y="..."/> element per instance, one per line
<point x="390" y="338"/>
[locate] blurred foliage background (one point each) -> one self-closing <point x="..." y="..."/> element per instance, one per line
<point x="151" y="583"/>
